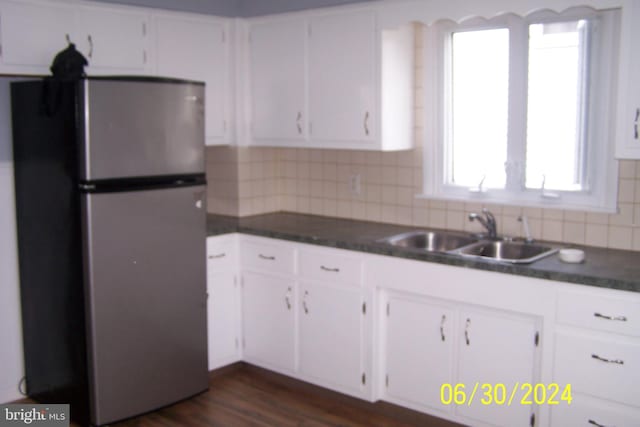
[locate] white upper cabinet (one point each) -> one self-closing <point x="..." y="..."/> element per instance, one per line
<point x="32" y="34"/>
<point x="197" y="49"/>
<point x="331" y="80"/>
<point x="278" y="80"/>
<point x="342" y="58"/>
<point x="628" y="129"/>
<point x="112" y="40"/>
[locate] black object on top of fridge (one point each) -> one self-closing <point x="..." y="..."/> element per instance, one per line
<point x="110" y="195"/>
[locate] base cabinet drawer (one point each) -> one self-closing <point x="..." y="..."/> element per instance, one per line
<point x="599" y="312"/>
<point x="598" y="366"/>
<point x="588" y="412"/>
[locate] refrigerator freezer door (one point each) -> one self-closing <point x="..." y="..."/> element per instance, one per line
<point x="146" y="286"/>
<point x="138" y="128"/>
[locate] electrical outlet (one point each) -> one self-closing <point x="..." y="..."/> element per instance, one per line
<point x="355" y="184"/>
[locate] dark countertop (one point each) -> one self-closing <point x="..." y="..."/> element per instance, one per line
<point x="605" y="268"/>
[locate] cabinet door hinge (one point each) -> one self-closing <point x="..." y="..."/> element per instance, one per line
<point x="386" y="380"/>
<point x="388" y="309"/>
<point x="144" y="28"/>
<point x="144" y="56"/>
<point x="0" y="50"/>
<point x="364" y="378"/>
<point x="364" y="308"/>
<point x="536" y="340"/>
<point x="532" y="420"/>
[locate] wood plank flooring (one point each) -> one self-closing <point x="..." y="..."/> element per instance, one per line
<point x="244" y="395"/>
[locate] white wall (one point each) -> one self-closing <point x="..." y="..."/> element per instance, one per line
<point x="11" y="361"/>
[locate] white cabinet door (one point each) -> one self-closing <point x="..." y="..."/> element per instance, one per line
<point x="196" y="49"/>
<point x="331" y="335"/>
<point x="342" y="60"/>
<point x="223" y="318"/>
<point x="628" y="126"/>
<point x="496" y="348"/>
<point x="278" y="80"/>
<point x="32" y="34"/>
<point x="268" y="304"/>
<point x="419" y="351"/>
<point x="113" y="41"/>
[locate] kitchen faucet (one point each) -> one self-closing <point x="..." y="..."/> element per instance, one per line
<point x="488" y="221"/>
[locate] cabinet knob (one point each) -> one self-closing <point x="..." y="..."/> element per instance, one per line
<point x="287" y="299"/>
<point x="267" y="257"/>
<point x="220" y="255"/>
<point x="444" y="319"/>
<point x="466" y="332"/>
<point x="618" y="318"/>
<point x="304" y="302"/>
<point x="298" y="123"/>
<point x="604" y="359"/>
<point x="90" y="54"/>
<point x="329" y="269"/>
<point x="597" y="424"/>
<point x="635" y="124"/>
<point x="366" y="123"/>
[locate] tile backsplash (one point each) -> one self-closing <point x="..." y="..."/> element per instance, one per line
<point x="252" y="180"/>
<point x="247" y="181"/>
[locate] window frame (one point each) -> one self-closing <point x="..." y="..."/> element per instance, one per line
<point x="600" y="167"/>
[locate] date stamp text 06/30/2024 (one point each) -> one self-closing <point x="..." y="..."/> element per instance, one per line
<point x="502" y="394"/>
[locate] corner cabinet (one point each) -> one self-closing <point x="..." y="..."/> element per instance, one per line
<point x="278" y="88"/>
<point x="331" y="80"/>
<point x="628" y="124"/>
<point x="223" y="301"/>
<point x="196" y="48"/>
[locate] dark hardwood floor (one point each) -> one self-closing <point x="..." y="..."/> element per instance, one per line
<point x="244" y="395"/>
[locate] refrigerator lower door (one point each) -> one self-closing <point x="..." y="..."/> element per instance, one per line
<point x="146" y="290"/>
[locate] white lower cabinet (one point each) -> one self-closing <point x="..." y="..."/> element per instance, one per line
<point x="436" y="352"/>
<point x="268" y="317"/>
<point x="223" y="302"/>
<point x="332" y="335"/>
<point x="497" y="349"/>
<point x="418" y="350"/>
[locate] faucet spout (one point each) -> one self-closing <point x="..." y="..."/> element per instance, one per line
<point x="488" y="221"/>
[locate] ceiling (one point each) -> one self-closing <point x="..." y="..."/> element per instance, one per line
<point x="243" y="8"/>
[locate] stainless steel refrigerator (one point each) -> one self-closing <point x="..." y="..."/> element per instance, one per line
<point x="110" y="203"/>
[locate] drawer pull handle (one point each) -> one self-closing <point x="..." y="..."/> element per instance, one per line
<point x="222" y="255"/>
<point x="268" y="258"/>
<point x="444" y="319"/>
<point x="466" y="332"/>
<point x="304" y="302"/>
<point x="286" y="298"/>
<point x="597" y="424"/>
<point x="332" y="270"/>
<point x="603" y="359"/>
<point x="619" y="318"/>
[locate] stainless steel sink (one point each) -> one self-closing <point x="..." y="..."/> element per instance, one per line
<point x="430" y="241"/>
<point x="507" y="251"/>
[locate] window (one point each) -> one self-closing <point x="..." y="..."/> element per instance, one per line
<point x="518" y="110"/>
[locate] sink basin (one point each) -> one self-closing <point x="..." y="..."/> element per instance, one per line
<point x="430" y="241"/>
<point x="507" y="251"/>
